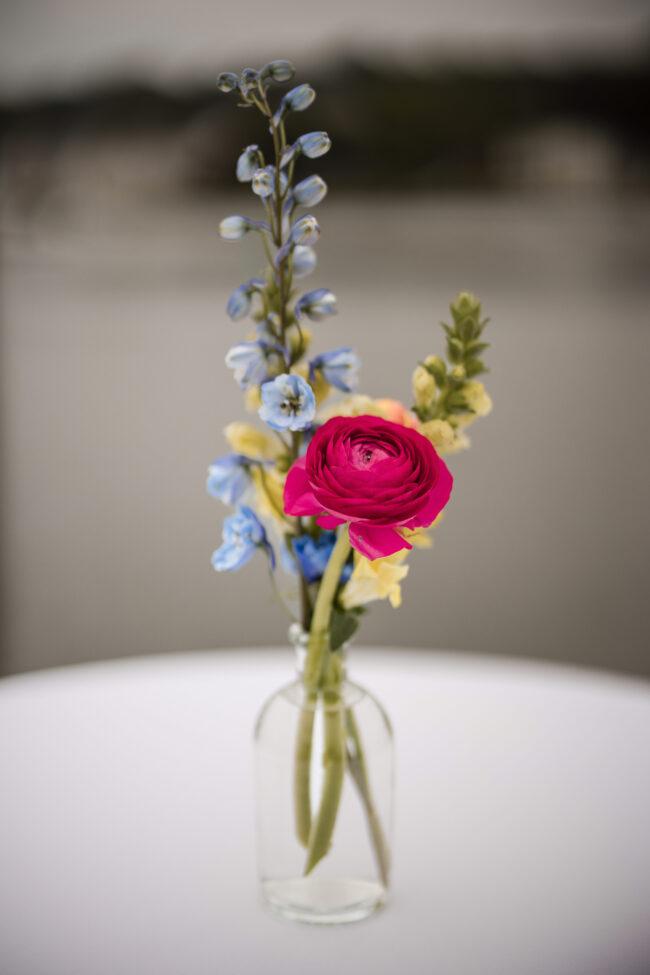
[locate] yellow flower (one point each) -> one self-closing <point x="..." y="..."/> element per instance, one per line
<point x="379" y="579"/>
<point x="252" y="399"/>
<point x="270" y="490"/>
<point x="247" y="440"/>
<point x="424" y="386"/>
<point x="417" y="536"/>
<point x="477" y="400"/>
<point x="319" y="385"/>
<point x="443" y="436"/>
<point x="355" y="405"/>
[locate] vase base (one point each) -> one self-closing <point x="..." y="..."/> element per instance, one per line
<point x="323" y="901"/>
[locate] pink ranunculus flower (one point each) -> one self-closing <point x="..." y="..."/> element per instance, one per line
<point x="377" y="475"/>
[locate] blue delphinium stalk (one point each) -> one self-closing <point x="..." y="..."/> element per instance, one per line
<point x="243" y="533"/>
<point x="269" y="363"/>
<point x="288" y="403"/>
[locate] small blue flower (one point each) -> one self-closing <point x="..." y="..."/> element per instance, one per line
<point x="310" y="191"/>
<point x="313" y="556"/>
<point x="278" y="70"/>
<point x="249" y="361"/>
<point x="317" y="304"/>
<point x="304" y="260"/>
<point x="234" y="228"/>
<point x="287" y="403"/>
<point x="227" y="81"/>
<point x="239" y="303"/>
<point x="249" y="79"/>
<point x="300" y="98"/>
<point x="242" y="534"/>
<point x="228" y="478"/>
<point x="264" y="181"/>
<point x="248" y="163"/>
<point x="314" y="144"/>
<point x="305" y="231"/>
<point x="339" y="368"/>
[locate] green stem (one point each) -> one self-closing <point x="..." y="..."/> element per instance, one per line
<point x="318" y="834"/>
<point x="320" y="624"/>
<point x="357" y="766"/>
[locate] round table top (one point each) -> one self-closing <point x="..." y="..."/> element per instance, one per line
<point x="522" y="821"/>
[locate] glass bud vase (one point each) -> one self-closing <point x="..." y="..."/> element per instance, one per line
<point x="324" y="797"/>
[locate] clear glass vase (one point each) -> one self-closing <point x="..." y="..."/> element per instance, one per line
<point x="324" y="797"/>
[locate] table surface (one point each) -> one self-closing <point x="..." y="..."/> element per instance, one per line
<point x="522" y="821"/>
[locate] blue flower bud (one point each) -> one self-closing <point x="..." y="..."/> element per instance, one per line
<point x="305" y="231"/>
<point x="248" y="163"/>
<point x="314" y="144"/>
<point x="287" y="403"/>
<point x="228" y="478"/>
<point x="227" y="81"/>
<point x="310" y="191"/>
<point x="278" y="70"/>
<point x="249" y="79"/>
<point x="263" y="182"/>
<point x="339" y="368"/>
<point x="316" y="305"/>
<point x="304" y="261"/>
<point x="239" y="303"/>
<point x="313" y="556"/>
<point x="300" y="98"/>
<point x="249" y="362"/>
<point x="234" y="228"/>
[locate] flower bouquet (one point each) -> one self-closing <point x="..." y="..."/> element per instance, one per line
<point x="335" y="494"/>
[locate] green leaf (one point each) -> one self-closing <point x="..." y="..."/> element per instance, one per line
<point x="343" y="624"/>
<point x="474" y="368"/>
<point x="455" y="350"/>
<point x="475" y="348"/>
<point x="467" y="329"/>
<point x="457" y="401"/>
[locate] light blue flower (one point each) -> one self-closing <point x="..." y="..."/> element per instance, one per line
<point x="249" y="362"/>
<point x="305" y="231"/>
<point x="228" y="478"/>
<point x="264" y="181"/>
<point x="227" y="81"/>
<point x="339" y="368"/>
<point x="314" y="554"/>
<point x="242" y="534"/>
<point x="310" y="191"/>
<point x="278" y="70"/>
<point x="316" y="305"/>
<point x="300" y="98"/>
<point x="287" y="403"/>
<point x="249" y="79"/>
<point x="314" y="144"/>
<point x="239" y="303"/>
<point x="248" y="163"/>
<point x="234" y="228"/>
<point x="304" y="260"/>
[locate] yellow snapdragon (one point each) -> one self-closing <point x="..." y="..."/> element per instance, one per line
<point x="477" y="400"/>
<point x="269" y="484"/>
<point x="424" y="386"/>
<point x="248" y="440"/>
<point x="379" y="579"/>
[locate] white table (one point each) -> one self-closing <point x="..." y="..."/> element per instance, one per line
<point x="523" y="818"/>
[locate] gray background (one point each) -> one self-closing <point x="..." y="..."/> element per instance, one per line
<point x="115" y="391"/>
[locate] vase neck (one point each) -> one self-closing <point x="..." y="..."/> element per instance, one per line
<point x="299" y="640"/>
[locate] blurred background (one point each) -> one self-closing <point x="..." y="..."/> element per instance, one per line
<point x="500" y="147"/>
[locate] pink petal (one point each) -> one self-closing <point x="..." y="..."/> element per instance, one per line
<point x="436" y="500"/>
<point x="329" y="521"/>
<point x="376" y="541"/>
<point x="298" y="496"/>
